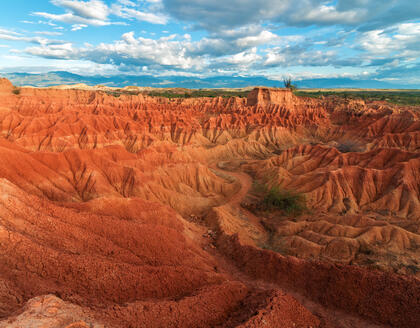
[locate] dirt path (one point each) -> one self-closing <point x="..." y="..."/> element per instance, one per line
<point x="235" y="201"/>
<point x="334" y="317"/>
<point x="246" y="183"/>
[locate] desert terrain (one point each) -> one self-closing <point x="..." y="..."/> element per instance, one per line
<point x="271" y="210"/>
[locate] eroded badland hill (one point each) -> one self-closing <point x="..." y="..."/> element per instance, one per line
<point x="267" y="211"/>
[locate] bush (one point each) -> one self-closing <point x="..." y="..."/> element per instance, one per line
<point x="276" y="198"/>
<point x="16" y="91"/>
<point x="287" y="82"/>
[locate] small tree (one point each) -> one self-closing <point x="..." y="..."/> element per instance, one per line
<point x="288" y="83"/>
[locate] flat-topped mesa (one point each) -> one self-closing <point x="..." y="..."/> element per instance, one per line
<point x="268" y="96"/>
<point x="5" y="86"/>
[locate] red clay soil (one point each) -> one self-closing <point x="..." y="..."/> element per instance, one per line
<point x="126" y="211"/>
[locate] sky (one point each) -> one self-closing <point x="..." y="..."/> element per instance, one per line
<point x="360" y="39"/>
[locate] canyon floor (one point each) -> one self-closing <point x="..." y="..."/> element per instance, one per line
<point x="126" y="210"/>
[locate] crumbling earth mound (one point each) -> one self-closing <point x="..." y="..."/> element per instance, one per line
<point x="135" y="211"/>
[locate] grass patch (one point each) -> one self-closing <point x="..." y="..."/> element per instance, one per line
<point x="403" y="97"/>
<point x="275" y="198"/>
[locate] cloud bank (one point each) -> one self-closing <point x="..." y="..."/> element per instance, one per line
<point x="268" y="37"/>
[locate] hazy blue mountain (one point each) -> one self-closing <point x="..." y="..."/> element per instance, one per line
<point x="59" y="77"/>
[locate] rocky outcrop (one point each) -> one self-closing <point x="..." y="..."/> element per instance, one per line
<point x="122" y="208"/>
<point x="51" y="312"/>
<point x="267" y="96"/>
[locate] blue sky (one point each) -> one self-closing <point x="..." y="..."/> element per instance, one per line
<point x="360" y="39"/>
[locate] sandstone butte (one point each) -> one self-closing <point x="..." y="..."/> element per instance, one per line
<point x="136" y="211"/>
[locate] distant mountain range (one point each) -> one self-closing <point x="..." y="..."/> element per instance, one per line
<point x="59" y="77"/>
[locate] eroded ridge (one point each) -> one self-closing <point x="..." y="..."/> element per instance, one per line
<point x="135" y="211"/>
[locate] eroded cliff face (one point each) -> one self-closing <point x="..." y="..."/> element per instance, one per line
<point x="132" y="211"/>
<point x="267" y="96"/>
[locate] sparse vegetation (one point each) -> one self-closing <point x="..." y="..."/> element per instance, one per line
<point x="288" y="83"/>
<point x="365" y="248"/>
<point x="413" y="268"/>
<point x="402" y="97"/>
<point x="16" y="91"/>
<point x="118" y="93"/>
<point x="184" y="93"/>
<point x="199" y="94"/>
<point x="349" y="146"/>
<point x="275" y="198"/>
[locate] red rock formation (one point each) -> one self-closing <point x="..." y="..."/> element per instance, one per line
<point x="5" y="86"/>
<point x="265" y="96"/>
<point x="116" y="205"/>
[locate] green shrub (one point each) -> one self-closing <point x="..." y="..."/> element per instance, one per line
<point x="16" y="91"/>
<point x="277" y="198"/>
